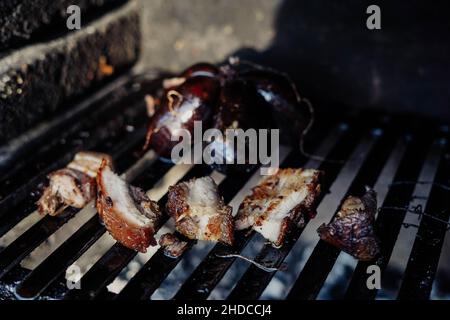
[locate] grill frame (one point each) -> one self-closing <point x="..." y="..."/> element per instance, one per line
<point x="47" y="279"/>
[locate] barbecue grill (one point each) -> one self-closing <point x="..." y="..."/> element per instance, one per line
<point x="405" y="158"/>
<point x="377" y="150"/>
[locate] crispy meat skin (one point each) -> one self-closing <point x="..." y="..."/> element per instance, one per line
<point x="89" y="162"/>
<point x="352" y="229"/>
<point x="279" y="203"/>
<point x="74" y="185"/>
<point x="190" y="216"/>
<point x="121" y="224"/>
<point x="172" y="245"/>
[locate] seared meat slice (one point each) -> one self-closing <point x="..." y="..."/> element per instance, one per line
<point x="279" y="203"/>
<point x="74" y="185"/>
<point x="199" y="212"/>
<point x="172" y="245"/>
<point x="129" y="215"/>
<point x="352" y="229"/>
<point x="89" y="162"/>
<point x="67" y="187"/>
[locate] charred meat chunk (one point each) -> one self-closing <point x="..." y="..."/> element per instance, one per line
<point x="352" y="229"/>
<point x="280" y="203"/>
<point x="199" y="212"/>
<point x="129" y="215"/>
<point x="172" y="245"/>
<point x="72" y="186"/>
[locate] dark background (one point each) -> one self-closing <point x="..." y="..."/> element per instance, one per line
<point x="323" y="44"/>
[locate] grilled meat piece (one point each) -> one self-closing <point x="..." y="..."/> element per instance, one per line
<point x="352" y="229"/>
<point x="72" y="186"/>
<point x="67" y="187"/>
<point x="89" y="162"/>
<point x="279" y="203"/>
<point x="129" y="215"/>
<point x="172" y="245"/>
<point x="199" y="212"/>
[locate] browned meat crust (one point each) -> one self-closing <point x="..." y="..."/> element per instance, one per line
<point x="352" y="229"/>
<point x="74" y="185"/>
<point x="89" y="162"/>
<point x="279" y="203"/>
<point x="131" y="217"/>
<point x="205" y="219"/>
<point x="172" y="245"/>
<point x="67" y="187"/>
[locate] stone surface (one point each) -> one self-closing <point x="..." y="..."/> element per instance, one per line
<point x="21" y="19"/>
<point x="177" y="33"/>
<point x="38" y="80"/>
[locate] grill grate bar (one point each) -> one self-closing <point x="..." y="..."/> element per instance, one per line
<point x="408" y="233"/>
<point x="254" y="281"/>
<point x="22" y="246"/>
<point x="389" y="222"/>
<point x="424" y="259"/>
<point x="55" y="265"/>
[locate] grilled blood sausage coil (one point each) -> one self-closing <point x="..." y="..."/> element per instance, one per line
<point x="234" y="95"/>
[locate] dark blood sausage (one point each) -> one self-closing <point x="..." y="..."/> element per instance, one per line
<point x="236" y="95"/>
<point x="291" y="115"/>
<point x="352" y="229"/>
<point x="239" y="107"/>
<point x="192" y="101"/>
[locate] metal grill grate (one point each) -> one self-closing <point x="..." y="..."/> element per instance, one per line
<point x="377" y="150"/>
